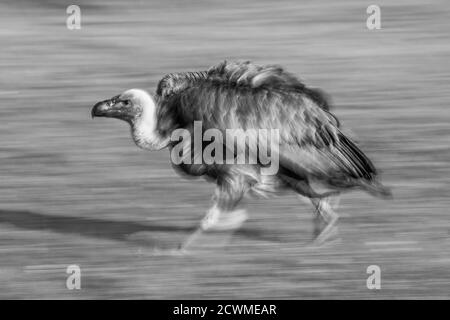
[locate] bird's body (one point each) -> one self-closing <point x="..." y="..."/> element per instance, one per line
<point x="311" y="146"/>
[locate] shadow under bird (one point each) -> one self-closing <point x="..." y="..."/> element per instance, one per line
<point x="316" y="160"/>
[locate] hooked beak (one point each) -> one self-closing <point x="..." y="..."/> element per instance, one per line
<point x="113" y="108"/>
<point x="101" y="109"/>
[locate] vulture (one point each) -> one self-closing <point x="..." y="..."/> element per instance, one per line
<point x="316" y="160"/>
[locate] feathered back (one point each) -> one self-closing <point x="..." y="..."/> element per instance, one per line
<point x="174" y="83"/>
<point x="240" y="74"/>
<point x="254" y="76"/>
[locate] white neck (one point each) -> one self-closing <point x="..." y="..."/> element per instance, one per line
<point x="144" y="128"/>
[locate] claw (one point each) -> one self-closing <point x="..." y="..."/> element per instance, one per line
<point x="325" y="214"/>
<point x="225" y="225"/>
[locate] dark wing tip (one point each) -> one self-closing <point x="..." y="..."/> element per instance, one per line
<point x="356" y="163"/>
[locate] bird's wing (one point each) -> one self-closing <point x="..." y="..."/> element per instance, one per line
<point x="242" y="73"/>
<point x="245" y="96"/>
<point x="174" y="83"/>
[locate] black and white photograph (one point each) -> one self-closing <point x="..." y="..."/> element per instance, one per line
<point x="224" y="151"/>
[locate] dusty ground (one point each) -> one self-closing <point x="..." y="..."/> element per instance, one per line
<point x="77" y="191"/>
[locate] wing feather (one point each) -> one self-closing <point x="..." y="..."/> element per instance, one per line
<point x="247" y="96"/>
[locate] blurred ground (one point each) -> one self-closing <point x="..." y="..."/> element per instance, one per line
<point x="76" y="191"/>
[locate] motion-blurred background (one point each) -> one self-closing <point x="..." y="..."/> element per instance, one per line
<point x="77" y="191"/>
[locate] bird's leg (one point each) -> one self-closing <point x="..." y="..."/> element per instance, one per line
<point x="324" y="213"/>
<point x="229" y="193"/>
<point x="216" y="219"/>
<point x="223" y="215"/>
<point x="222" y="220"/>
<point x="318" y="220"/>
<point x="210" y="219"/>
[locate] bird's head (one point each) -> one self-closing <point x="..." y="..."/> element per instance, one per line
<point x="138" y="108"/>
<point x="129" y="106"/>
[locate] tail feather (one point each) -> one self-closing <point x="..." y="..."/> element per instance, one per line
<point x="355" y="162"/>
<point x="375" y="188"/>
<point x="360" y="169"/>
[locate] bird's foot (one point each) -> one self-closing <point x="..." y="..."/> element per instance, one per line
<point x="207" y="236"/>
<point x="327" y="233"/>
<point x="229" y="221"/>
